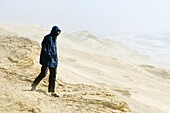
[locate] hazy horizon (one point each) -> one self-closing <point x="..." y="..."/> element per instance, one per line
<point x="101" y="17"/>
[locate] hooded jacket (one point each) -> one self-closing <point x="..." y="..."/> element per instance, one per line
<point x="48" y="54"/>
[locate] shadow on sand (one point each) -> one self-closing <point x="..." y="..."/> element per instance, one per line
<point x="37" y="90"/>
<point x="41" y="91"/>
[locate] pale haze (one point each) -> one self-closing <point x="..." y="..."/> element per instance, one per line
<point x="112" y="56"/>
<point x="142" y="25"/>
<point x="101" y="17"/>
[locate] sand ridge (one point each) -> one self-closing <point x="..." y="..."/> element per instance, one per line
<point x="144" y="87"/>
<point x="21" y="67"/>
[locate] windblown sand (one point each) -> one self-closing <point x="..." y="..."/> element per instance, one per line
<point x="94" y="75"/>
<point x="18" y="68"/>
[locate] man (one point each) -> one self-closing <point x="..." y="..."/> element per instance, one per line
<point x="48" y="60"/>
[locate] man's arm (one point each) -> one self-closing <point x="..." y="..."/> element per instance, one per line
<point x="46" y="47"/>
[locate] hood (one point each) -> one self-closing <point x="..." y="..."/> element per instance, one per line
<point x="55" y="31"/>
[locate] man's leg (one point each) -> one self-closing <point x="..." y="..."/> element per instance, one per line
<point x="52" y="77"/>
<point x="44" y="70"/>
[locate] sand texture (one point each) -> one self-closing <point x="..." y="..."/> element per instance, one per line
<point x="94" y="75"/>
<point x="18" y="68"/>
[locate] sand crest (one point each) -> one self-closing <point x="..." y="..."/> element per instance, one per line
<point x="85" y="59"/>
<point x="18" y="68"/>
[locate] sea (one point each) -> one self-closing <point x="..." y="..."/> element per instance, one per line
<point x="155" y="45"/>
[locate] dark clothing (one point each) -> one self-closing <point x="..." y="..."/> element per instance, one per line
<point x="48" y="54"/>
<point x="52" y="77"/>
<point x="48" y="59"/>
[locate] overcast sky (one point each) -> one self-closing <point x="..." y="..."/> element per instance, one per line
<point x="101" y="17"/>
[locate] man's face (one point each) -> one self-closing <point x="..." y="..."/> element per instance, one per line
<point x="58" y="32"/>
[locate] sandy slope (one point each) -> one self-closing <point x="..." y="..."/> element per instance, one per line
<point x="34" y="32"/>
<point x="82" y="40"/>
<point x="85" y="41"/>
<point x="81" y="60"/>
<point x="18" y="68"/>
<point x="145" y="88"/>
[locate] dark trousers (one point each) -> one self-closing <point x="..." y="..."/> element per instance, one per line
<point x="52" y="77"/>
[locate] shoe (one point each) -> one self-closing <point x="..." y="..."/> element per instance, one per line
<point x="54" y="95"/>
<point x="33" y="88"/>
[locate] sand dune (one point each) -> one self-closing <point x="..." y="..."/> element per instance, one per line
<point x="19" y="66"/>
<point x="4" y="32"/>
<point x="146" y="86"/>
<point x="85" y="41"/>
<point x="85" y="75"/>
<point x="34" y="32"/>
